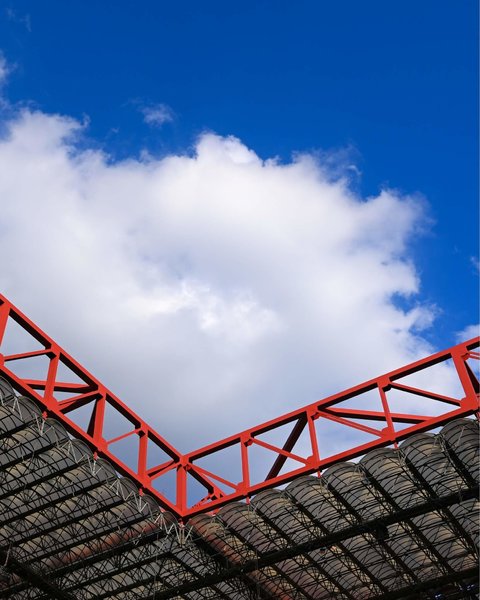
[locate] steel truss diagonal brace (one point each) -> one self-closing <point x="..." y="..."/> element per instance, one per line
<point x="292" y="443"/>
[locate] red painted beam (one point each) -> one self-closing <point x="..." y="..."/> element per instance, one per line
<point x="297" y="454"/>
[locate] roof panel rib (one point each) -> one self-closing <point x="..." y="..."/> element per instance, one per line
<point x="400" y="523"/>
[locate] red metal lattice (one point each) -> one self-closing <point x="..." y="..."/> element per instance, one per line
<point x="66" y="387"/>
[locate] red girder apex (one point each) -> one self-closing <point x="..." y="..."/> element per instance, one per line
<point x="300" y="454"/>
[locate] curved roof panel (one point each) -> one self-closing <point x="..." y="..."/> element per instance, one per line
<point x="400" y="523"/>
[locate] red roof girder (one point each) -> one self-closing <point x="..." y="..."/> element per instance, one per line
<point x="294" y="457"/>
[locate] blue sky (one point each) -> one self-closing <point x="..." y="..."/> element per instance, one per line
<point x="397" y="83"/>
<point x="386" y="92"/>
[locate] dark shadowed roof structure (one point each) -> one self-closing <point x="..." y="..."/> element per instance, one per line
<point x="400" y="523"/>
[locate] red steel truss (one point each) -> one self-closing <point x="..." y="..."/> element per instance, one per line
<point x="292" y="444"/>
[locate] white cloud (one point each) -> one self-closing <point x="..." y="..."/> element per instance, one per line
<point x="210" y="291"/>
<point x="468" y="333"/>
<point x="157" y="114"/>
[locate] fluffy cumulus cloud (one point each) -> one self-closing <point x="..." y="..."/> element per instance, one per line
<point x="210" y="290"/>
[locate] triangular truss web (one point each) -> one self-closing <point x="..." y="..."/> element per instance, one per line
<point x="340" y="435"/>
<point x="75" y="385"/>
<point x="302" y="448"/>
<point x="156" y="455"/>
<point x="441" y="379"/>
<point x="225" y="464"/>
<point x="197" y="492"/>
<point x="82" y="415"/>
<point x="285" y="447"/>
<point x="357" y="420"/>
<point x="428" y="393"/>
<point x="23" y="354"/>
<point x="363" y="412"/>
<point x="115" y="424"/>
<point x="33" y="368"/>
<point x="17" y="339"/>
<point x="29" y="359"/>
<point x="405" y="401"/>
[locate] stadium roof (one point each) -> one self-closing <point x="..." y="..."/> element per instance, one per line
<point x="400" y="523"/>
<point x="377" y="413"/>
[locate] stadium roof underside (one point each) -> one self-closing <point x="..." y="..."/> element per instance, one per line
<point x="400" y="523"/>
